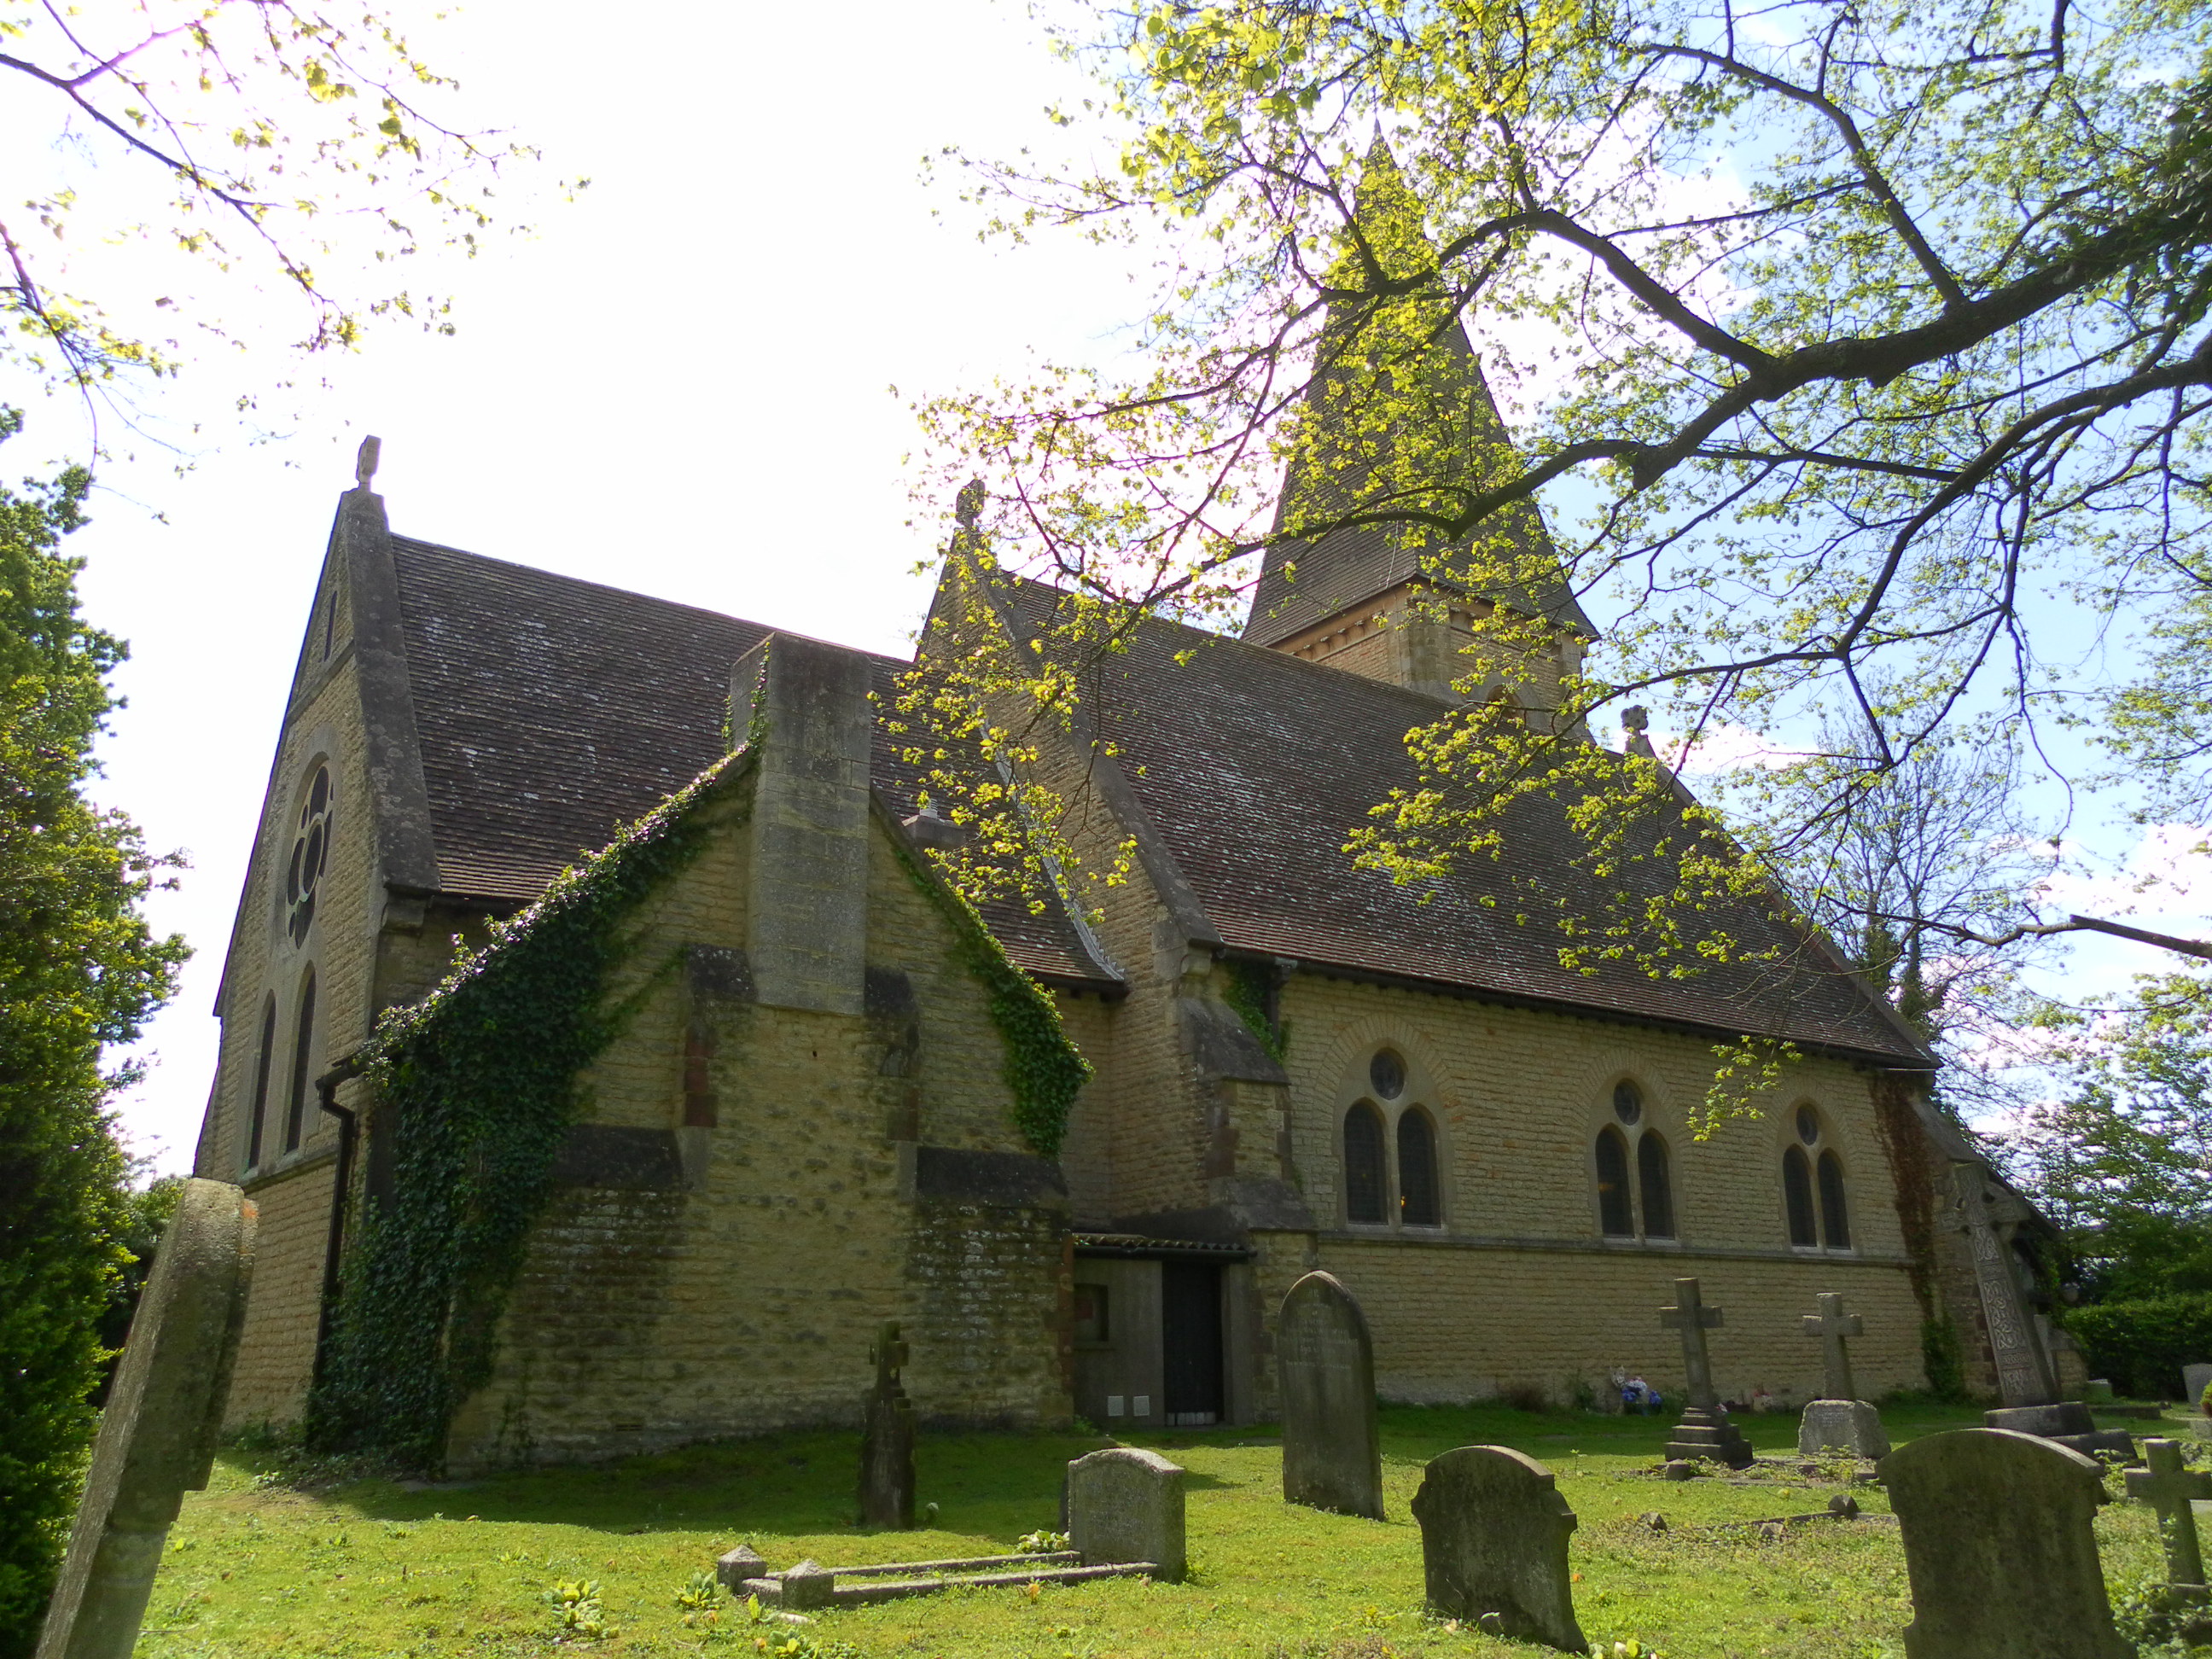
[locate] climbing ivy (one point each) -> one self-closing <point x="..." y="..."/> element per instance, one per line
<point x="1042" y="1068"/>
<point x="1247" y="990"/>
<point x="477" y="1083"/>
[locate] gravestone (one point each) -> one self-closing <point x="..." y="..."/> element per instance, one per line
<point x="1494" y="1530"/>
<point x="2000" y="1547"/>
<point x="1125" y="1505"/>
<point x="1838" y="1421"/>
<point x="2195" y="1379"/>
<point x="2169" y="1489"/>
<point x="1704" y="1430"/>
<point x="158" y="1433"/>
<point x="887" y="1438"/>
<point x="1325" y="1364"/>
<point x="2023" y="1376"/>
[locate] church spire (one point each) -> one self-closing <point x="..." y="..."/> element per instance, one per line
<point x="1397" y="415"/>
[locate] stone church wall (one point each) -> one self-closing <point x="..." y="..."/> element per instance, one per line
<point x="1517" y="1288"/>
<point x="745" y="1297"/>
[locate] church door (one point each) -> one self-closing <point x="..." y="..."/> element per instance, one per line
<point x="1190" y="1320"/>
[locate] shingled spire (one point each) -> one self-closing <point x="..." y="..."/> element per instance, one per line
<point x="1399" y="415"/>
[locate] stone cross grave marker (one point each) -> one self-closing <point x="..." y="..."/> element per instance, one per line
<point x="1325" y="1362"/>
<point x="1838" y="1421"/>
<point x="158" y="1433"/>
<point x="1125" y="1505"/>
<point x="1494" y="1528"/>
<point x="887" y="1438"/>
<point x="2167" y="1487"/>
<point x="1704" y="1430"/>
<point x="2001" y="1547"/>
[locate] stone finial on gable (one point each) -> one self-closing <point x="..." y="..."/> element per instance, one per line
<point x="365" y="459"/>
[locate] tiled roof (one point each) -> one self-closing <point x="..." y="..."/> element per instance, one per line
<point x="1255" y="768"/>
<point x="552" y="711"/>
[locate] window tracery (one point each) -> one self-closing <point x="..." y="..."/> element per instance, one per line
<point x="1641" y="1204"/>
<point x="311" y="856"/>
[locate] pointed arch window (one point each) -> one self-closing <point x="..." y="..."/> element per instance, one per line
<point x="258" y="1117"/>
<point x="1365" y="1177"/>
<point x="1654" y="1186"/>
<point x="1835" y="1213"/>
<point x="1797" y="1198"/>
<point x="1420" y="1204"/>
<point x="303" y="1053"/>
<point x="1616" y="1214"/>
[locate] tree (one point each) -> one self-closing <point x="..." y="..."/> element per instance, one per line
<point x="257" y="139"/>
<point x="79" y="970"/>
<point x="1868" y="346"/>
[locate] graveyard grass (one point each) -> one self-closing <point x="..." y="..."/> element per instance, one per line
<point x="256" y="1565"/>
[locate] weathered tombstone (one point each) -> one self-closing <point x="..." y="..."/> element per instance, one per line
<point x="1325" y="1362"/>
<point x="1494" y="1530"/>
<point x="887" y="1438"/>
<point x="1125" y="1505"/>
<point x="2000" y="1547"/>
<point x="1838" y="1421"/>
<point x="157" y="1435"/>
<point x="2023" y="1373"/>
<point x="1704" y="1430"/>
<point x="2169" y="1488"/>
<point x="2195" y="1379"/>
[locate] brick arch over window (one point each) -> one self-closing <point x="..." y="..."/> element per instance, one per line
<point x="1366" y="1178"/>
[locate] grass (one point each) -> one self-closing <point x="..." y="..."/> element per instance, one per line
<point x="369" y="1567"/>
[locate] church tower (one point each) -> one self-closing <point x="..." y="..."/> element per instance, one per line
<point x="1398" y="418"/>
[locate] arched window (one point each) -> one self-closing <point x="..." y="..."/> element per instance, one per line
<point x="1616" y="1216"/>
<point x="1418" y="1205"/>
<point x="259" y="1113"/>
<point x="1797" y="1196"/>
<point x="303" y="1053"/>
<point x="1835" y="1217"/>
<point x="1365" y="1191"/>
<point x="1653" y="1187"/>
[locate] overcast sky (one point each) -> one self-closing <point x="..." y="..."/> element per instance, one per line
<point x="681" y="386"/>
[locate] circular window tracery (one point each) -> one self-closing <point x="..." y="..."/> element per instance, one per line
<point x="1386" y="1074"/>
<point x="311" y="856"/>
<point x="1627" y="1102"/>
<point x="1808" y="1125"/>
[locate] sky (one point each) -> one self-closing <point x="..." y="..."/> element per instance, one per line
<point x="682" y="384"/>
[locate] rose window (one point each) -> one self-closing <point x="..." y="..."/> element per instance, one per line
<point x="311" y="856"/>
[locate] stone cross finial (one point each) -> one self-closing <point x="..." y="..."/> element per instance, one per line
<point x="888" y="1355"/>
<point x="1694" y="1319"/>
<point x="365" y="459"/>
<point x="1831" y="1325"/>
<point x="2167" y="1487"/>
<point x="968" y="506"/>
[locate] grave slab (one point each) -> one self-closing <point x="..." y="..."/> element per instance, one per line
<point x="1125" y="1505"/>
<point x="1494" y="1530"/>
<point x="157" y="1435"/>
<point x="1325" y="1365"/>
<point x="2000" y="1548"/>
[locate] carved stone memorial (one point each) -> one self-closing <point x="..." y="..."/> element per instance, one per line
<point x="2000" y="1547"/>
<point x="1125" y="1506"/>
<point x="1494" y="1530"/>
<point x="1325" y="1360"/>
<point x="887" y="1439"/>
<point x="1704" y="1430"/>
<point x="157" y="1436"/>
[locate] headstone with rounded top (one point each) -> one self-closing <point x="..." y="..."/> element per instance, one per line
<point x="1325" y="1364"/>
<point x="1494" y="1530"/>
<point x="157" y="1435"/>
<point x="1126" y="1505"/>
<point x="2001" y="1547"/>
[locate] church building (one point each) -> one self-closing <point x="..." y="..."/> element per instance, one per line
<point x="813" y="1104"/>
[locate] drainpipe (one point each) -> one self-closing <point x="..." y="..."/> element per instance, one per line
<point x="326" y="1091"/>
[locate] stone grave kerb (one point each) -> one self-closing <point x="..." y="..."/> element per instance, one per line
<point x="1833" y="1326"/>
<point x="157" y="1435"/>
<point x="2168" y="1488"/>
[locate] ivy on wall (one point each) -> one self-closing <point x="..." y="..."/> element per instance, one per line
<point x="476" y="1087"/>
<point x="1248" y="988"/>
<point x="1044" y="1070"/>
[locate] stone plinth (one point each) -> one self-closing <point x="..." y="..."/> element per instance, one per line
<point x="1850" y="1428"/>
<point x="1706" y="1431"/>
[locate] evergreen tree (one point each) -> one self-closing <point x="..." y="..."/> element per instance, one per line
<point x="79" y="970"/>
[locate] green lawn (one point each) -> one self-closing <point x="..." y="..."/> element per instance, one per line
<point x="371" y="1568"/>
